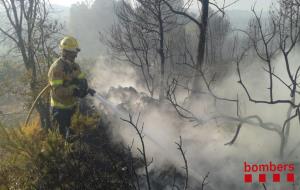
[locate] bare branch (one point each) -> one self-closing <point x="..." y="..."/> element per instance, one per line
<point x="143" y="150"/>
<point x="204" y="183"/>
<point x="182" y="13"/>
<point x="180" y="148"/>
<point x="236" y="135"/>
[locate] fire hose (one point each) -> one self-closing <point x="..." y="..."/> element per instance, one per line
<point x="34" y="103"/>
<point x="96" y="95"/>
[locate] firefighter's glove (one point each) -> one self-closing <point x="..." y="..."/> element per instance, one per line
<point x="91" y="91"/>
<point x="76" y="92"/>
<point x="83" y="85"/>
<point x="80" y="83"/>
<point x="81" y="89"/>
<point x="80" y="93"/>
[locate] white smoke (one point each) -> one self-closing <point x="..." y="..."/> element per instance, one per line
<point x="204" y="145"/>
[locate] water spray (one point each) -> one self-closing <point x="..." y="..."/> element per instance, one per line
<point x="110" y="106"/>
<point x="122" y="114"/>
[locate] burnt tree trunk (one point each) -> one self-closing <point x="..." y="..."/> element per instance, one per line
<point x="162" y="56"/>
<point x="201" y="47"/>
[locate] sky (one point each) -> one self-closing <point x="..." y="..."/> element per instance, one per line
<point x="247" y="4"/>
<point x="242" y="4"/>
<point x="64" y="2"/>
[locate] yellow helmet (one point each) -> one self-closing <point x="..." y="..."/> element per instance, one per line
<point x="69" y="43"/>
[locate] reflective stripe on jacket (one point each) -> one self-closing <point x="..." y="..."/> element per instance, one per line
<point x="60" y="75"/>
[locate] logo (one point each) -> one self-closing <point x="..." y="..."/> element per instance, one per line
<point x="269" y="172"/>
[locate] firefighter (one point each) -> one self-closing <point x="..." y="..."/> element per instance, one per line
<point x="67" y="84"/>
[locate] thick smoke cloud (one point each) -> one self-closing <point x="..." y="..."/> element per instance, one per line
<point x="204" y="144"/>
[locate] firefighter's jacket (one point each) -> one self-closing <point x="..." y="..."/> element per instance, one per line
<point x="61" y="74"/>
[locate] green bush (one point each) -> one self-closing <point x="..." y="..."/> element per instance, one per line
<point x="35" y="159"/>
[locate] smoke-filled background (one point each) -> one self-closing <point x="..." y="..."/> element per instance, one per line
<point x="136" y="72"/>
<point x="204" y="145"/>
